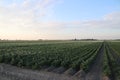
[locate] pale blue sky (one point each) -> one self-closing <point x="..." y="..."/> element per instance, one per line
<point x="85" y="9"/>
<point x="59" y="19"/>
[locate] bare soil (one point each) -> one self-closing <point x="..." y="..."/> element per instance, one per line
<point x="8" y="72"/>
<point x="70" y="72"/>
<point x="95" y="72"/>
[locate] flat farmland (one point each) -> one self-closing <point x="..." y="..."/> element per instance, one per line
<point x="59" y="60"/>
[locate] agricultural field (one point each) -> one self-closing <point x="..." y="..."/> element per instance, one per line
<point x="59" y="60"/>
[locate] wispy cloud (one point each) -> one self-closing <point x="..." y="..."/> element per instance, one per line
<point x="26" y="18"/>
<point x="25" y="14"/>
<point x="111" y="20"/>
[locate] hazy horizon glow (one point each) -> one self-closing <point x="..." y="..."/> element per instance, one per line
<point x="59" y="19"/>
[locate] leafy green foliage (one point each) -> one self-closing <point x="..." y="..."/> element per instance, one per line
<point x="78" y="55"/>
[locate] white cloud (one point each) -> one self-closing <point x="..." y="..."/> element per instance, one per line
<point x="113" y="16"/>
<point x="26" y="19"/>
<point x="20" y="18"/>
<point x="109" y="21"/>
<point x="24" y="14"/>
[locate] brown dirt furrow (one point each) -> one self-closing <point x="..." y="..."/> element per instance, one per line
<point x="8" y="72"/>
<point x="95" y="73"/>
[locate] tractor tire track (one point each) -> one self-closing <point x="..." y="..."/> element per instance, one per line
<point x="95" y="73"/>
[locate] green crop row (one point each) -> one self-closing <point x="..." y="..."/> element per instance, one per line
<point x="76" y="55"/>
<point x="106" y="66"/>
<point x="115" y="66"/>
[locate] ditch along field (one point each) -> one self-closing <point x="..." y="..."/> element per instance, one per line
<point x="59" y="60"/>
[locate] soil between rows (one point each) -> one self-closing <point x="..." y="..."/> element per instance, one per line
<point x="95" y="73"/>
<point x="8" y="72"/>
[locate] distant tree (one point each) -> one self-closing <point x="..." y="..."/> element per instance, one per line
<point x="75" y="39"/>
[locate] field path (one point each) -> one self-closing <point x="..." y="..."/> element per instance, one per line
<point x="8" y="72"/>
<point x="95" y="72"/>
